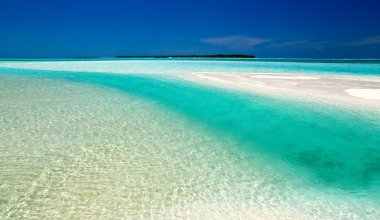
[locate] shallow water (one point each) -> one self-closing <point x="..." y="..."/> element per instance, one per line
<point x="88" y="145"/>
<point x="178" y="66"/>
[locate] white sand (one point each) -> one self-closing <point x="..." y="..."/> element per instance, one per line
<point x="365" y="93"/>
<point x="336" y="89"/>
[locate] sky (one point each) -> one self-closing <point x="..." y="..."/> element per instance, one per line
<point x="265" y="28"/>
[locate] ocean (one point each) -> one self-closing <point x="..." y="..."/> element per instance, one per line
<point x="127" y="139"/>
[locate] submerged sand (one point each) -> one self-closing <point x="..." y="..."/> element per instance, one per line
<point x="352" y="90"/>
<point x="113" y="164"/>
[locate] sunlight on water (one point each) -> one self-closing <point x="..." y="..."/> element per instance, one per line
<point x="83" y="145"/>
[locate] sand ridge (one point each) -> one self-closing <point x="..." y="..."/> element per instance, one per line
<point x="339" y="89"/>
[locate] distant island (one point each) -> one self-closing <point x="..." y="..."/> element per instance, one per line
<point x="238" y="56"/>
<point x="193" y="56"/>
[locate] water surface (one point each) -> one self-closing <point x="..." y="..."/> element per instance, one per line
<point x="90" y="145"/>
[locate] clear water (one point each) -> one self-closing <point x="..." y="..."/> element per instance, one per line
<point x="89" y="145"/>
<point x="175" y="66"/>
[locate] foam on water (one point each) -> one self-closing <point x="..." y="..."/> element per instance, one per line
<point x="82" y="145"/>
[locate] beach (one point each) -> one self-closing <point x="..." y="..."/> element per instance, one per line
<point x="189" y="139"/>
<point x="341" y="87"/>
<point x="346" y="90"/>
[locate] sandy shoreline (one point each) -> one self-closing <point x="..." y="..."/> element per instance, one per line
<point x="349" y="90"/>
<point x="352" y="90"/>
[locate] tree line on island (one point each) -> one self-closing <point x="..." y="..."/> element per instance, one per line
<point x="194" y="56"/>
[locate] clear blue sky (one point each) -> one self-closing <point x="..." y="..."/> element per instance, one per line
<point x="266" y="28"/>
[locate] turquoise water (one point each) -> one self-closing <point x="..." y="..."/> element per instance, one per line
<point x="135" y="146"/>
<point x="165" y="66"/>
